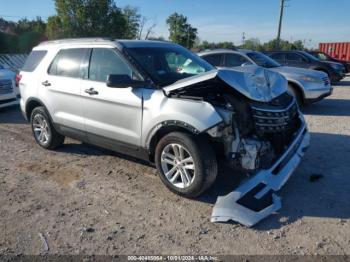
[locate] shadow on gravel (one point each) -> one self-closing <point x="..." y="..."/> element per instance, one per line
<point x="344" y="83"/>
<point x="11" y="115"/>
<point x="329" y="107"/>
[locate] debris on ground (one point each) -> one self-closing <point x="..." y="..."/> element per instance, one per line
<point x="45" y="245"/>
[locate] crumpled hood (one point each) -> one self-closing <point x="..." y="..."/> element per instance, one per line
<point x="254" y="82"/>
<point x="296" y="71"/>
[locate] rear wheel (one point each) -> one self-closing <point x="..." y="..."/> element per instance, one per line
<point x="186" y="164"/>
<point x="44" y="132"/>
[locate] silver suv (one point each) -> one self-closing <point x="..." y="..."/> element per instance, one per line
<point x="160" y="102"/>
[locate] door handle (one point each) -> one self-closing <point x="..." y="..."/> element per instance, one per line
<point x="46" y="83"/>
<point x="91" y="91"/>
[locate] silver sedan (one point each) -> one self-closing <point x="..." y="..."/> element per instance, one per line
<point x="306" y="85"/>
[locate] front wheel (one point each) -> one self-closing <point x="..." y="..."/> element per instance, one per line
<point x="186" y="164"/>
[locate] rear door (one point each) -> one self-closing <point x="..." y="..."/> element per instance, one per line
<point x="113" y="116"/>
<point x="61" y="87"/>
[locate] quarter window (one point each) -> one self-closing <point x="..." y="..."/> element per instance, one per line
<point x="106" y="62"/>
<point x="68" y="63"/>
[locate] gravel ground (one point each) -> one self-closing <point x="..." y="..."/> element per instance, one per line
<point x="84" y="200"/>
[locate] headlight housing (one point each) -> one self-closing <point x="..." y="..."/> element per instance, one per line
<point x="311" y="79"/>
<point x="337" y="66"/>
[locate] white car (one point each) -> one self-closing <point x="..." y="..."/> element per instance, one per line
<point x="8" y="93"/>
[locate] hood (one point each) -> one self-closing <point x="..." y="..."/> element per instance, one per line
<point x="297" y="72"/>
<point x="254" y="82"/>
<point x="333" y="63"/>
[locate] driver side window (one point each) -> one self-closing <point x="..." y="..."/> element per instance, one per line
<point x="106" y="62"/>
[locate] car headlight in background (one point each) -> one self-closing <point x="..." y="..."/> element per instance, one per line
<point x="337" y="66"/>
<point x="311" y="79"/>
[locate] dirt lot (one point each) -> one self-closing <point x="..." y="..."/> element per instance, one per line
<point x="85" y="200"/>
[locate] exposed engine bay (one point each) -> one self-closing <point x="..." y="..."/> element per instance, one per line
<point x="262" y="132"/>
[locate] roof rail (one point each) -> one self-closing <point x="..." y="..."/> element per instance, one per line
<point x="77" y="40"/>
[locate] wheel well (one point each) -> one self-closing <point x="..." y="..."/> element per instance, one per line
<point x="163" y="131"/>
<point x="297" y="89"/>
<point x="30" y="107"/>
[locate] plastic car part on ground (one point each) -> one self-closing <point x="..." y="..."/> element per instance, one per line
<point x="254" y="199"/>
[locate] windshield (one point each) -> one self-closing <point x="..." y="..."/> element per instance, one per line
<point x="166" y="65"/>
<point x="263" y="60"/>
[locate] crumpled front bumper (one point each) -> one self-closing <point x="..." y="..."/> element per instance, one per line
<point x="254" y="199"/>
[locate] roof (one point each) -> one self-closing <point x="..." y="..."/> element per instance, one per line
<point x="108" y="41"/>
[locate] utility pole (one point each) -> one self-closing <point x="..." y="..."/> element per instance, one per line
<point x="280" y="23"/>
<point x="243" y="38"/>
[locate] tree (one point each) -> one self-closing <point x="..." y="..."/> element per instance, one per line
<point x="181" y="31"/>
<point x="54" y="28"/>
<point x="252" y="44"/>
<point x="132" y="22"/>
<point x="90" y="18"/>
<point x="220" y="45"/>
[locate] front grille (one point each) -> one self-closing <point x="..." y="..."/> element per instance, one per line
<point x="5" y="87"/>
<point x="274" y="120"/>
<point x="326" y="81"/>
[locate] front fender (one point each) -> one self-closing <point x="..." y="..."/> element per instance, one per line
<point x="159" y="110"/>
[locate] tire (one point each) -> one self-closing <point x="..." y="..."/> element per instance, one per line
<point x="202" y="176"/>
<point x="296" y="93"/>
<point x="43" y="130"/>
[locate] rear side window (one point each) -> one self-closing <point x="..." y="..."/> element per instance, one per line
<point x="280" y="57"/>
<point x="33" y="60"/>
<point x="68" y="63"/>
<point x="215" y="60"/>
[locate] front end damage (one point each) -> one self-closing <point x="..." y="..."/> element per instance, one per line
<point x="262" y="134"/>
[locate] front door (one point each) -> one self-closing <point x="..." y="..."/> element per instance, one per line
<point x="113" y="116"/>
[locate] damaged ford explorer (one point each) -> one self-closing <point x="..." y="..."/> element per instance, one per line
<point x="160" y="102"/>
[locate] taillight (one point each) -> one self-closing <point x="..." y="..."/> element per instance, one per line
<point x="18" y="79"/>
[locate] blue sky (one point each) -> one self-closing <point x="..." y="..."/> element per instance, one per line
<point x="225" y="20"/>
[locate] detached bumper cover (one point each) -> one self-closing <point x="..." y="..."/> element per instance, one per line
<point x="254" y="200"/>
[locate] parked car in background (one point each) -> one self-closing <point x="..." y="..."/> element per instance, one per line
<point x="160" y="102"/>
<point x="325" y="57"/>
<point x="335" y="71"/>
<point x="7" y="88"/>
<point x="306" y="85"/>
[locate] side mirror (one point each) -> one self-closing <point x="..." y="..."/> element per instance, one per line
<point x="123" y="81"/>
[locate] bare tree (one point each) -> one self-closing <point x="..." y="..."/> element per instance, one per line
<point x="150" y="30"/>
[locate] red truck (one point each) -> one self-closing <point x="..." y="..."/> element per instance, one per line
<point x="337" y="52"/>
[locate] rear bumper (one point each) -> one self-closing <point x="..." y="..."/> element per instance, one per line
<point x="254" y="199"/>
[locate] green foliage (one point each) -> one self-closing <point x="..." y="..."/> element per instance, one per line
<point x="24" y="25"/>
<point x="89" y="18"/>
<point x="181" y="31"/>
<point x="207" y="45"/>
<point x="254" y="44"/>
<point x="132" y="22"/>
